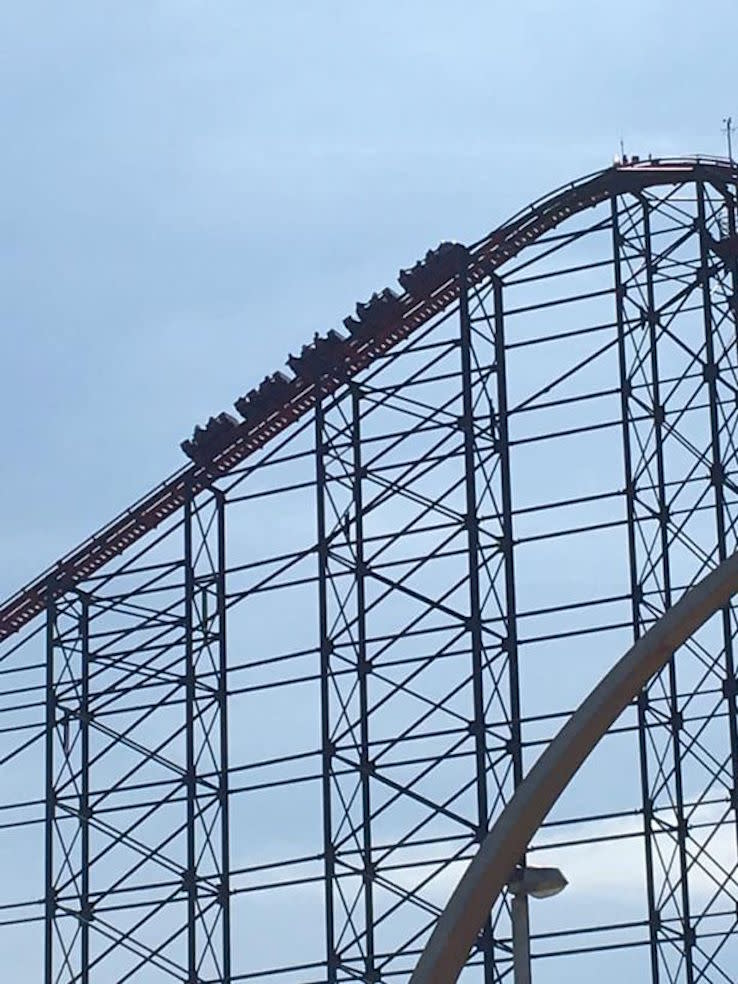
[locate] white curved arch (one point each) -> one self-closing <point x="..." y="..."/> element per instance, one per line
<point x="456" y="930"/>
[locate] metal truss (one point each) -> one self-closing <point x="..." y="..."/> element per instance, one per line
<point x="679" y="383"/>
<point x="262" y="743"/>
<point x="136" y="768"/>
<point x="420" y="697"/>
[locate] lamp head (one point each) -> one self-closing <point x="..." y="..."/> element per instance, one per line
<point x="541" y="883"/>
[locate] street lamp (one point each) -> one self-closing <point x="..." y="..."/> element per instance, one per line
<point x="541" y="883"/>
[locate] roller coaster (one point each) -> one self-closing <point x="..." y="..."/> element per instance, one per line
<point x="256" y="726"/>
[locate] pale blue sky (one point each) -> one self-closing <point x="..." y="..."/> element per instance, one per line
<point x="190" y="190"/>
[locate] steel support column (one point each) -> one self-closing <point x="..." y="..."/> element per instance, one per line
<point x="363" y="669"/>
<point x="623" y="327"/>
<point x="508" y="541"/>
<point x="68" y="908"/>
<point x="478" y="655"/>
<point x="326" y="649"/>
<point x="713" y="363"/>
<point x="206" y="878"/>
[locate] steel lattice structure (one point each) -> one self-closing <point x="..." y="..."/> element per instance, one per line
<point x="254" y="727"/>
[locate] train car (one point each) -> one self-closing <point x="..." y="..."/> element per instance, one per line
<point x="322" y="356"/>
<point x="380" y="311"/>
<point x="207" y="441"/>
<point x="270" y="394"/>
<point x="439" y="266"/>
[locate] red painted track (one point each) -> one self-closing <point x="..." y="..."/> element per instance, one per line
<point x="352" y="356"/>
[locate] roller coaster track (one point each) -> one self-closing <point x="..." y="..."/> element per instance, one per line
<point x="351" y="356"/>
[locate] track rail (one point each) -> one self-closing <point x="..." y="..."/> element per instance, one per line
<point x="351" y="356"/>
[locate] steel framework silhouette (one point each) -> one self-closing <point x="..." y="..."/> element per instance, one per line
<point x="254" y="728"/>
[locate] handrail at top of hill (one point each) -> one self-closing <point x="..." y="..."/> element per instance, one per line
<point x="342" y="359"/>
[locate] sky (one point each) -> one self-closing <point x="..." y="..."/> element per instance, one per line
<point x="190" y="190"/>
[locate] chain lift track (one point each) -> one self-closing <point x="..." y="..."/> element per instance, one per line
<point x="343" y="359"/>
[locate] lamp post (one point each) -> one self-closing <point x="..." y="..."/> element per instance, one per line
<point x="541" y="883"/>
